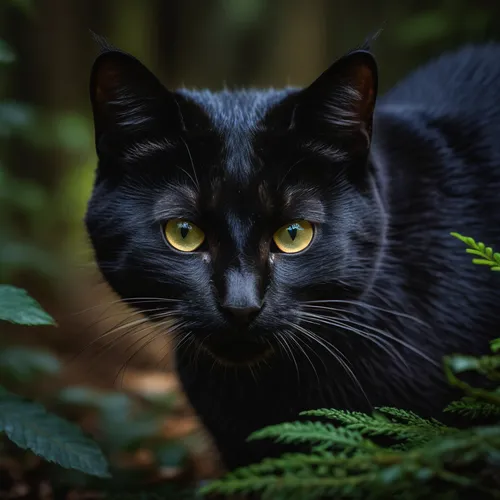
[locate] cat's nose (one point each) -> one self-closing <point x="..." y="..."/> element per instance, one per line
<point x="241" y="302"/>
<point x="242" y="315"/>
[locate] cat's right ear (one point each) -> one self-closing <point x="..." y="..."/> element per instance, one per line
<point x="128" y="100"/>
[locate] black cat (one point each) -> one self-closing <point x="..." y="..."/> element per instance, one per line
<point x="299" y="239"/>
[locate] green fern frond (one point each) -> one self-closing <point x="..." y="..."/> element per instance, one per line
<point x="487" y="256"/>
<point x="290" y="487"/>
<point x="313" y="433"/>
<point x="383" y="474"/>
<point x="393" y="422"/>
<point x="469" y="407"/>
<point x="299" y="476"/>
<point x="409" y="417"/>
<point x="350" y="419"/>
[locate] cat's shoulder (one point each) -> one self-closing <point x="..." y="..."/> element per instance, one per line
<point x="461" y="79"/>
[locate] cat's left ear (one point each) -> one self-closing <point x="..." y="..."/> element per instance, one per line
<point x="342" y="99"/>
<point x="127" y="99"/>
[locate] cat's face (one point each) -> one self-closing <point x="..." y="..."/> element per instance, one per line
<point x="228" y="211"/>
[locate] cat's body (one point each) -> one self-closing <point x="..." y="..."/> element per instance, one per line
<point x="381" y="245"/>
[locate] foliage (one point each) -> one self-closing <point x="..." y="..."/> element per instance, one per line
<point x="30" y="426"/>
<point x="18" y="307"/>
<point x="6" y="53"/>
<point x="124" y="426"/>
<point x="27" y="423"/>
<point x="19" y="364"/>
<point x="487" y="257"/>
<point x="417" y="457"/>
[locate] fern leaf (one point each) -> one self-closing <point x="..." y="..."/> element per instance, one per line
<point x="300" y="487"/>
<point x="468" y="407"/>
<point x="401" y="424"/>
<point x="487" y="256"/>
<point x="407" y="416"/>
<point x="313" y="432"/>
<point x="449" y="462"/>
<point x="31" y="427"/>
<point x="16" y="306"/>
<point x="355" y="420"/>
<point x="483" y="262"/>
<point x="463" y="239"/>
<point x="474" y="252"/>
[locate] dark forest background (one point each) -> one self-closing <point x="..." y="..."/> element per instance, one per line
<point x="47" y="153"/>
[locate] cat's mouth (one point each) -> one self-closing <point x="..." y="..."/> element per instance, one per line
<point x="229" y="350"/>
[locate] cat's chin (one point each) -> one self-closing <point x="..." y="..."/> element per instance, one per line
<point x="230" y="351"/>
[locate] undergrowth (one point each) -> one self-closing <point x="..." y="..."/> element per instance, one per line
<point x="74" y="459"/>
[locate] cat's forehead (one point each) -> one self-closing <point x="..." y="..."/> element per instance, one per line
<point x="241" y="108"/>
<point x="235" y="117"/>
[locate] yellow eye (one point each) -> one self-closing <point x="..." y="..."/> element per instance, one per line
<point x="184" y="235"/>
<point x="294" y="237"/>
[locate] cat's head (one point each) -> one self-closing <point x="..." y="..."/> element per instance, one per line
<point x="229" y="211"/>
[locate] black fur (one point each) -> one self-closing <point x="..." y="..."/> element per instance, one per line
<point x="241" y="164"/>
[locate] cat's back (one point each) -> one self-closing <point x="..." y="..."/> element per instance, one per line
<point x="461" y="81"/>
<point x="437" y="134"/>
<point x="437" y="142"/>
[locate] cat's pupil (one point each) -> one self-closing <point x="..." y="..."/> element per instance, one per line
<point x="292" y="231"/>
<point x="184" y="230"/>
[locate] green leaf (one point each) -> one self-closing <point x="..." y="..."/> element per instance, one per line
<point x="120" y="434"/>
<point x="460" y="363"/>
<point x="488" y="257"/>
<point x="460" y="237"/>
<point x="6" y="53"/>
<point x="18" y="307"/>
<point x="17" y="256"/>
<point x="114" y="405"/>
<point x="15" y="118"/>
<point x="171" y="455"/>
<point x="483" y="262"/>
<point x="31" y="427"/>
<point x="24" y="363"/>
<point x="495" y="345"/>
<point x="161" y="403"/>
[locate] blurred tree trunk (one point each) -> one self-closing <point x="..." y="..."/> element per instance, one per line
<point x="298" y="54"/>
<point x="51" y="74"/>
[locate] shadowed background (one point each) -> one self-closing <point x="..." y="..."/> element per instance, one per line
<point x="47" y="153"/>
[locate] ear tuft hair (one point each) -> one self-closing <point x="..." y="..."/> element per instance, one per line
<point x="369" y="40"/>
<point x="102" y="43"/>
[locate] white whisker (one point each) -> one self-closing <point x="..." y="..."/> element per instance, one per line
<point x="367" y="306"/>
<point x="335" y="352"/>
